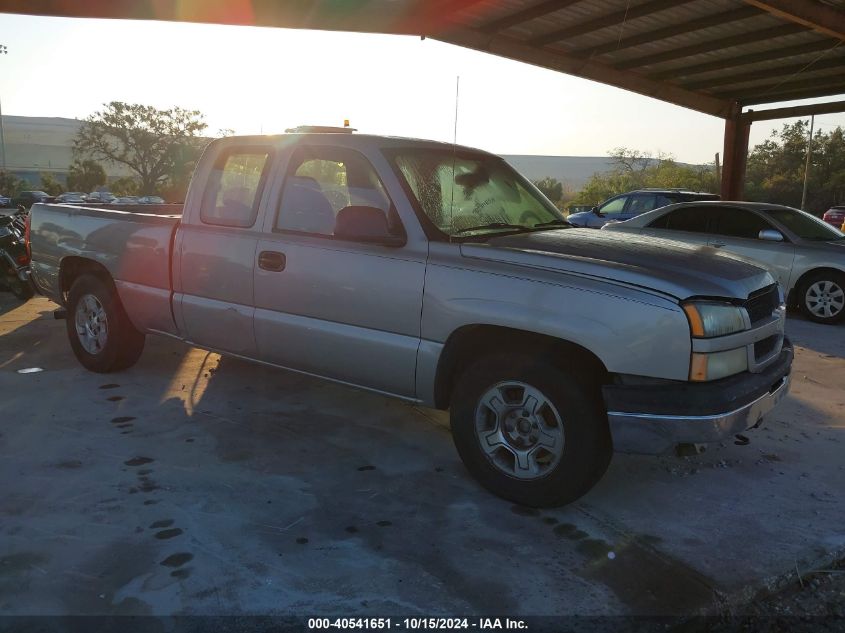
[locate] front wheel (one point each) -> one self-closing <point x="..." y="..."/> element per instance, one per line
<point x="101" y="335"/>
<point x="528" y="431"/>
<point x="821" y="297"/>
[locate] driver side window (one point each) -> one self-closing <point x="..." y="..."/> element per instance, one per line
<point x="613" y="207"/>
<point x="322" y="181"/>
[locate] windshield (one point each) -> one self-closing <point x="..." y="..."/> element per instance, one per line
<point x="805" y="226"/>
<point x="469" y="194"/>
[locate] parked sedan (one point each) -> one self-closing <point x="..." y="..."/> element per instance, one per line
<point x="150" y="200"/>
<point x="835" y="216"/>
<point x="632" y="204"/>
<point x="805" y="254"/>
<point x="101" y="196"/>
<point x="74" y="197"/>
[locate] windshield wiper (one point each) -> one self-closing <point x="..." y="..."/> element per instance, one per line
<point x="493" y="225"/>
<point x="556" y="222"/>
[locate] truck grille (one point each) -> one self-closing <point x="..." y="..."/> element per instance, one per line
<point x="764" y="348"/>
<point x="762" y="303"/>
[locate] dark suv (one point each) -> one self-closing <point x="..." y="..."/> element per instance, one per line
<point x="627" y="205"/>
<point x="28" y="198"/>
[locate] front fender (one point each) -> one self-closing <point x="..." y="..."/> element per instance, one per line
<point x="630" y="331"/>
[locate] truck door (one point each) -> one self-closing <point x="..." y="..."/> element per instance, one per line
<point x="216" y="251"/>
<point x="335" y="307"/>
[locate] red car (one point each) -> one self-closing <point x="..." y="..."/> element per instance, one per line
<point x="835" y="216"/>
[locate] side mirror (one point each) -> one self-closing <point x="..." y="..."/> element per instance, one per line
<point x="770" y="235"/>
<point x="365" y="224"/>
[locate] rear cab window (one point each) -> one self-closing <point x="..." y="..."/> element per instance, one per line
<point x="235" y="186"/>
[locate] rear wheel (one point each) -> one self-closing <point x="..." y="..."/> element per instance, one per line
<point x="101" y="335"/>
<point x="821" y="296"/>
<point x="529" y="431"/>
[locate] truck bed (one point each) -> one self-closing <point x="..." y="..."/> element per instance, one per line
<point x="135" y="249"/>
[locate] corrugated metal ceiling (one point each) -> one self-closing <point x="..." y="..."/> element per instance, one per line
<point x="709" y="55"/>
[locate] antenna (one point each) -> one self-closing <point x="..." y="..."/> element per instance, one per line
<point x="457" y="94"/>
<point x="454" y="153"/>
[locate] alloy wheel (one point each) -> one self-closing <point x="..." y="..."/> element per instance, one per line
<point x="825" y="299"/>
<point x="91" y="324"/>
<point x="519" y="430"/>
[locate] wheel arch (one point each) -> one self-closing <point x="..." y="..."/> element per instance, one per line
<point x="72" y="267"/>
<point x="468" y="342"/>
<point x="793" y="299"/>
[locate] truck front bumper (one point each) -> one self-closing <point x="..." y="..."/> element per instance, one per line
<point x="653" y="418"/>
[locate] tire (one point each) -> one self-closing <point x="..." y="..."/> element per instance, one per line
<point x="100" y="334"/>
<point x="21" y="289"/>
<point x="821" y="296"/>
<point x="553" y="477"/>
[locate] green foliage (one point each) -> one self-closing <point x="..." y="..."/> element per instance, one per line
<point x="50" y="185"/>
<point x="11" y="185"/>
<point x="85" y="176"/>
<point x="155" y="144"/>
<point x="775" y="169"/>
<point x="552" y="188"/>
<point x="323" y="171"/>
<point x="125" y="186"/>
<point x="633" y="169"/>
<point x="176" y="187"/>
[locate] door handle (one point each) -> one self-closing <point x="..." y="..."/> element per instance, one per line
<point x="272" y="261"/>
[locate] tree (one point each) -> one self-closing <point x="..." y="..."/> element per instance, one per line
<point x="775" y="169"/>
<point x="632" y="160"/>
<point x="85" y="176"/>
<point x="634" y="169"/>
<point x="11" y="185"/>
<point x="552" y="188"/>
<point x="154" y="144"/>
<point x="125" y="186"/>
<point x="50" y="185"/>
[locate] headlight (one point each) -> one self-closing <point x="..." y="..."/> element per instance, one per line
<point x="708" y="318"/>
<point x="704" y="367"/>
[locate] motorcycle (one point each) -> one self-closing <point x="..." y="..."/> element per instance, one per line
<point x="14" y="255"/>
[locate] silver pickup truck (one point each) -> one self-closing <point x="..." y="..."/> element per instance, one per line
<point x="439" y="275"/>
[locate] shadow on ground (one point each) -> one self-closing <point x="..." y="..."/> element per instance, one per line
<point x="195" y="484"/>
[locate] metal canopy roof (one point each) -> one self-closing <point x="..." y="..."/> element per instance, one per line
<point x="708" y="55"/>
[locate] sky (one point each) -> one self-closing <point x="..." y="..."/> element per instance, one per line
<point x="262" y="80"/>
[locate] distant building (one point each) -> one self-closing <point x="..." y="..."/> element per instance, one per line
<point x="44" y="144"/>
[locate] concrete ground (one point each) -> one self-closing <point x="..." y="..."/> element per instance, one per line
<point x="198" y="484"/>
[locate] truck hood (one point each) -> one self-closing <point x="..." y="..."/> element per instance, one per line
<point x="665" y="266"/>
